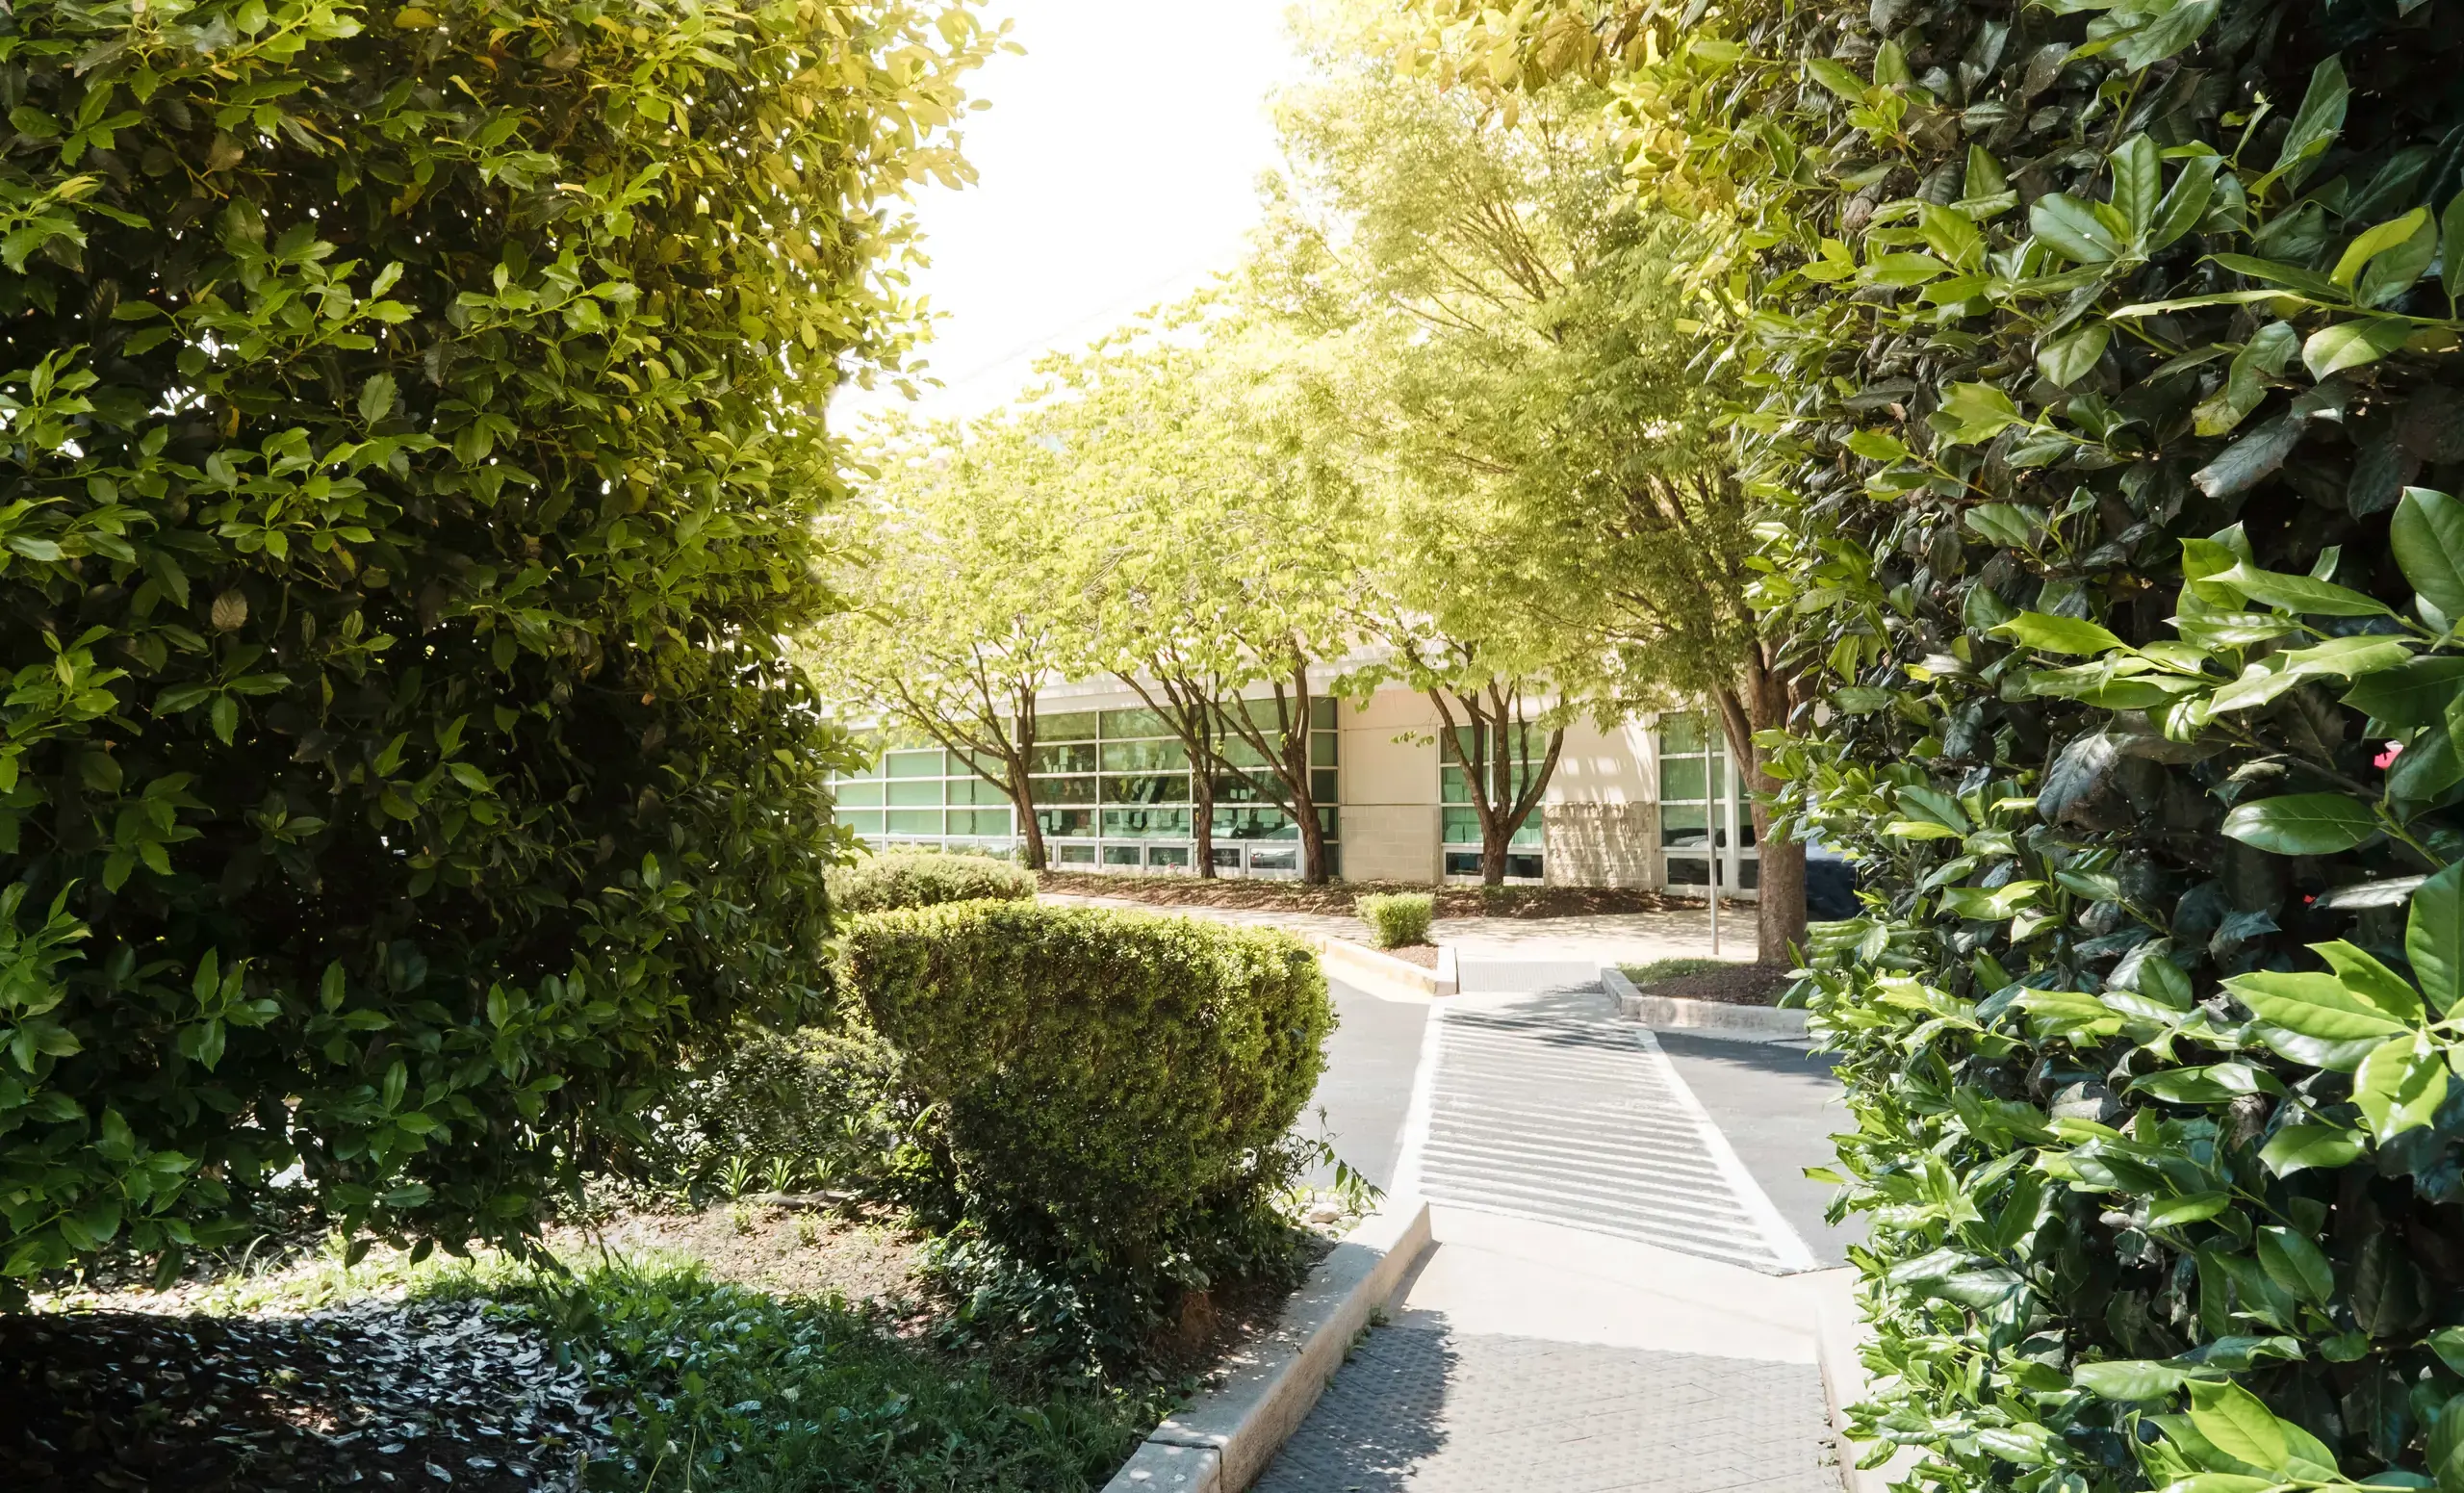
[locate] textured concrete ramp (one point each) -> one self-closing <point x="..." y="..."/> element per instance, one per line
<point x="1421" y="1409"/>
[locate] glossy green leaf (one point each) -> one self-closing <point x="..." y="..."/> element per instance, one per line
<point x="2427" y="533"/>
<point x="2301" y="824"/>
<point x="2435" y="939"/>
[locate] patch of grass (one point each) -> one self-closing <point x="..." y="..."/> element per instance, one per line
<point x="1646" y="975"/>
<point x="720" y="1389"/>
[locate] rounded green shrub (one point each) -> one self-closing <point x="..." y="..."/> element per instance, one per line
<point x="1397" y="919"/>
<point x="816" y="1106"/>
<point x="900" y="879"/>
<point x="414" y="437"/>
<point x="1116" y="1090"/>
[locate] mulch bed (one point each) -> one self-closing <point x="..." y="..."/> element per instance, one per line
<point x="1424" y="954"/>
<point x="1338" y="898"/>
<point x="435" y="1395"/>
<point x="1738" y="985"/>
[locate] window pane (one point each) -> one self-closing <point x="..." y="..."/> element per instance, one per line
<point x="1263" y="860"/>
<point x="1526" y="867"/>
<point x="1077" y="757"/>
<point x="984" y="762"/>
<point x="1334" y="859"/>
<point x="1076" y="726"/>
<point x="1254" y="824"/>
<point x="980" y="821"/>
<point x="1225" y="857"/>
<point x="1237" y="753"/>
<point x="1233" y="789"/>
<point x="1171" y="857"/>
<point x="1688" y="871"/>
<point x="1462" y="826"/>
<point x="915" y="792"/>
<point x="1451" y="788"/>
<point x="1063" y="790"/>
<point x="858" y="796"/>
<point x="1681" y="733"/>
<point x="1327" y="827"/>
<point x="975" y="790"/>
<point x="1147" y="823"/>
<point x="1321" y="749"/>
<point x="915" y="821"/>
<point x="1322" y="714"/>
<point x="1674" y="819"/>
<point x="1144" y="755"/>
<point x="1122" y="855"/>
<point x="1067" y="823"/>
<point x="1462" y="863"/>
<point x="1167" y="788"/>
<point x="872" y="769"/>
<point x="1133" y="723"/>
<point x="1683" y="779"/>
<point x="1322" y="786"/>
<point x="915" y="765"/>
<point x="864" y="821"/>
<point x="1075" y="855"/>
<point x="1266" y="713"/>
<point x="1531" y="836"/>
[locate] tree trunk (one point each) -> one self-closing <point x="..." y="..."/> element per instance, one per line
<point x="1022" y="804"/>
<point x="1313" y="847"/>
<point x="1761" y="704"/>
<point x="1202" y="830"/>
<point x="1495" y="840"/>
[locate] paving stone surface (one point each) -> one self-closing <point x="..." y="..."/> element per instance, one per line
<point x="1421" y="1409"/>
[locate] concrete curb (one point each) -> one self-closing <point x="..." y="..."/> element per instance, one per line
<point x="1842" y="1329"/>
<point x="1221" y="1443"/>
<point x="1701" y="1018"/>
<point x="1362" y="964"/>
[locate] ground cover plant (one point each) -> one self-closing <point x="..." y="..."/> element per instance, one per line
<point x="2106" y="381"/>
<point x="413" y="443"/>
<point x="1396" y="918"/>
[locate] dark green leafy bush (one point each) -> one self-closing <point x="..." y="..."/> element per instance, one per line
<point x="413" y="440"/>
<point x="2106" y="359"/>
<point x="1116" y="1090"/>
<point x="896" y="879"/>
<point x="1397" y="919"/>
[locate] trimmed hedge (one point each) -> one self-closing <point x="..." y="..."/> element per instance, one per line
<point x="1398" y="920"/>
<point x="1117" y="1089"/>
<point x="900" y="879"/>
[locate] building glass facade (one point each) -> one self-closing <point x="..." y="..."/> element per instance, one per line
<point x="1112" y="791"/>
<point x="1459" y="823"/>
<point x="1698" y="793"/>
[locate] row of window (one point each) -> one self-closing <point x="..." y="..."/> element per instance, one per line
<point x="1229" y="823"/>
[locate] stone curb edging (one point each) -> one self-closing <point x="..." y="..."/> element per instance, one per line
<point x="1702" y="1017"/>
<point x="1360" y="962"/>
<point x="1222" y="1442"/>
<point x="1842" y="1330"/>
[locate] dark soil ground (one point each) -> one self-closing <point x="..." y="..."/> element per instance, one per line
<point x="1731" y="985"/>
<point x="1338" y="897"/>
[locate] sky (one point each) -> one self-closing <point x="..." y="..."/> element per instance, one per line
<point x="1117" y="167"/>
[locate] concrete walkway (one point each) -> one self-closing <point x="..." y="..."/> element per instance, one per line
<point x="1614" y="1301"/>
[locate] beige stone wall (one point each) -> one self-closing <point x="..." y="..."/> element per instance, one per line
<point x="1389" y="788"/>
<point x="1592" y="844"/>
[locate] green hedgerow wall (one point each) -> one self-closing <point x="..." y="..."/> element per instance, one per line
<point x="2109" y="397"/>
<point x="411" y="436"/>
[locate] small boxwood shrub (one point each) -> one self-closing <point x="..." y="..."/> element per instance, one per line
<point x="1116" y="1090"/>
<point x="901" y="879"/>
<point x="1397" y="919"/>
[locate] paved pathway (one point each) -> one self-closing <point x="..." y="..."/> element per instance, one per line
<point x="1612" y="1303"/>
